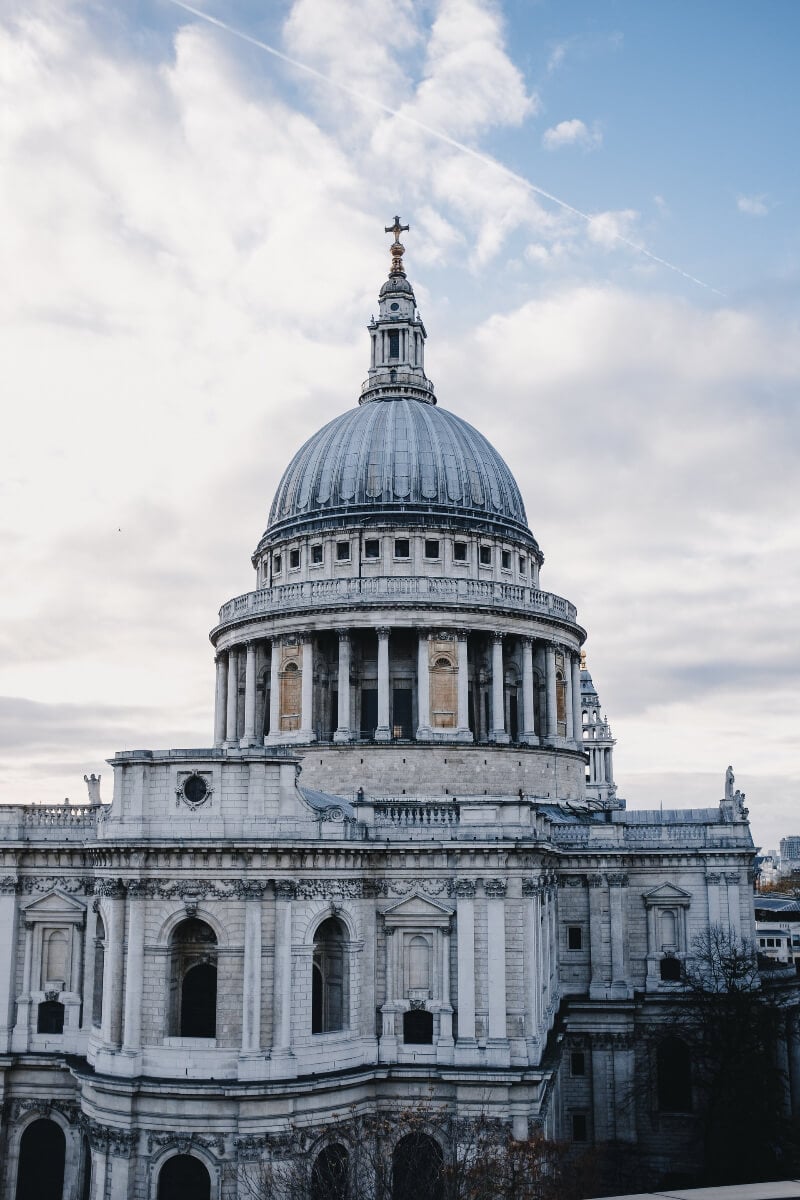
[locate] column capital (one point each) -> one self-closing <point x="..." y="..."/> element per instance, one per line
<point x="462" y="634"/>
<point x="344" y="635"/>
<point x="285" y="889"/>
<point x="497" y="635"/>
<point x="526" y="639"/>
<point x="383" y="631"/>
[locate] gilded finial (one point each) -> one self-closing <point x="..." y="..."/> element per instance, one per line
<point x="397" y="249"/>
<point x="583" y="660"/>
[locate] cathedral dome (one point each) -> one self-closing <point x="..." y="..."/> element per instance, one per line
<point x="398" y="459"/>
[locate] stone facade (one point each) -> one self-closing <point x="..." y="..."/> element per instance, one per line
<point x="386" y="879"/>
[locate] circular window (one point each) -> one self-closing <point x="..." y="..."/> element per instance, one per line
<point x="195" y="789"/>
<point x="394" y="307"/>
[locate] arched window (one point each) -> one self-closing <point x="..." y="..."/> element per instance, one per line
<point x="193" y="980"/>
<point x="291" y="684"/>
<point x="329" y="998"/>
<point x="184" y="1177"/>
<point x="42" y="1150"/>
<point x="55" y="969"/>
<point x="417" y="1027"/>
<point x="417" y="1168"/>
<point x="99" y="968"/>
<point x="668" y="929"/>
<point x="329" y="1174"/>
<point x="50" y="1017"/>
<point x="419" y="963"/>
<point x="561" y="700"/>
<point x="674" y="1069"/>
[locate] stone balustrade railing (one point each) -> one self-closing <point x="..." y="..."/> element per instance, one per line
<point x="70" y="816"/>
<point x="388" y="589"/>
<point x="415" y="814"/>
<point x="49" y="822"/>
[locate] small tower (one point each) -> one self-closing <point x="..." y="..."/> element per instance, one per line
<point x="598" y="744"/>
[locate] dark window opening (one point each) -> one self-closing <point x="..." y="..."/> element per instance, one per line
<point x="417" y="1169"/>
<point x="670" y="969"/>
<point x="276" y="564"/>
<point x="394" y="343"/>
<point x="329" y="1001"/>
<point x="459" y="552"/>
<point x="523" y="565"/>
<point x="99" y="968"/>
<point x="485" y="556"/>
<point x="42" y="1151"/>
<point x="316" y="555"/>
<point x="574" y="937"/>
<point x="402" y="725"/>
<point x="342" y="551"/>
<point x="369" y="712"/>
<point x="294" y="559"/>
<point x="431" y="547"/>
<point x="674" y="1070"/>
<point x="184" y="1177"/>
<point x="418" y="1027"/>
<point x="199" y="1002"/>
<point x="50" y="1017"/>
<point x="578" y="1063"/>
<point x="513" y="717"/>
<point x="402" y="548"/>
<point x="579" y="1129"/>
<point x="505" y="560"/>
<point x="372" y="548"/>
<point x="86" y="1169"/>
<point x="329" y="1174"/>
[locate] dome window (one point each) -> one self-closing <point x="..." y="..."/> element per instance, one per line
<point x="316" y="555"/>
<point x="432" y="548"/>
<point x="485" y="556"/>
<point x="372" y="548"/>
<point x="276" y="564"/>
<point x="394" y="343"/>
<point x="523" y="565"/>
<point x="505" y="560"/>
<point x="343" y="552"/>
<point x="402" y="548"/>
<point x="294" y="559"/>
<point x="460" y="552"/>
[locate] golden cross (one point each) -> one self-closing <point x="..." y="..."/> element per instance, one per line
<point x="396" y="229"/>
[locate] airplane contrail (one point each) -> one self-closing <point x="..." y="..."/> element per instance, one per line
<point x="440" y="135"/>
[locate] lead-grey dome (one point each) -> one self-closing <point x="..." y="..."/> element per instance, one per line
<point x="402" y="460"/>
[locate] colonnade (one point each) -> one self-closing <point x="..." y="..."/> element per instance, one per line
<point x="447" y="666"/>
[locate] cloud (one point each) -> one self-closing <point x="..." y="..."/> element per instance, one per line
<point x="572" y="133"/>
<point x="606" y="228"/>
<point x="753" y="206"/>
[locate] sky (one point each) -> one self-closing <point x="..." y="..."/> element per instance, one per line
<point x="605" y="249"/>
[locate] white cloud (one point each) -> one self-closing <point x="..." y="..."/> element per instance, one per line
<point x="753" y="206"/>
<point x="607" y="228"/>
<point x="572" y="133"/>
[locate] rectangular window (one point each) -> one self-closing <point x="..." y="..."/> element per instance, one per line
<point x="574" y="937"/>
<point x="485" y="556"/>
<point x="316" y="555"/>
<point x="294" y="559"/>
<point x="394" y="343"/>
<point x="523" y="565"/>
<point x="578" y="1063"/>
<point x="342" y="551"/>
<point x="402" y="548"/>
<point x="579" y="1127"/>
<point x="372" y="548"/>
<point x="431" y="547"/>
<point x="276" y="564"/>
<point x="459" y="551"/>
<point x="505" y="560"/>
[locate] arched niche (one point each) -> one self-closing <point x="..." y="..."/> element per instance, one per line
<point x="330" y="981"/>
<point x="42" y="1157"/>
<point x="193" y="980"/>
<point x="183" y="1177"/>
<point x="330" y="1173"/>
<point x="417" y="1168"/>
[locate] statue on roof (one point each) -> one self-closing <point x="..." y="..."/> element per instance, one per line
<point x="729" y="781"/>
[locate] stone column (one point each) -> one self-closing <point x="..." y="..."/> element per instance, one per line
<point x="528" y="722"/>
<point x="249" y="732"/>
<point x="282" y="1057"/>
<point x="531" y="891"/>
<point x="577" y="710"/>
<point x="424" y="732"/>
<point x="251" y="975"/>
<point x="498" y="733"/>
<point x="307" y="692"/>
<point x="734" y="904"/>
<point x="231" y="722"/>
<point x="20" y="1036"/>
<point x="220" y="699"/>
<point x="465" y="933"/>
<point x="463" y="731"/>
<point x="111" y="1031"/>
<point x="496" y="938"/>
<point x="714" y="909"/>
<point x="446" y="1013"/>
<point x="598" y="987"/>
<point x="383" y="733"/>
<point x="275" y="691"/>
<point x="134" y="974"/>
<point x="617" y="884"/>
<point x="388" y="1044"/>
<point x="552" y="706"/>
<point x="569" y="713"/>
<point x="87" y="984"/>
<point x="343" y="732"/>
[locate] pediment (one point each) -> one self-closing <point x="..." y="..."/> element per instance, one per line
<point x="667" y="893"/>
<point x="417" y="909"/>
<point x="55" y="906"/>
